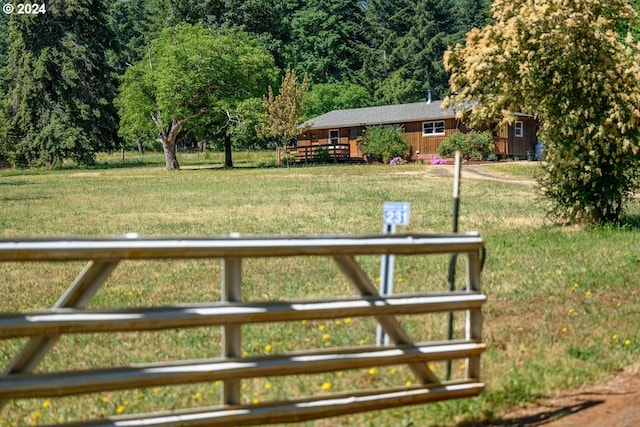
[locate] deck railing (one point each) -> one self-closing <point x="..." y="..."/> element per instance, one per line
<point x="323" y="152"/>
<point x="43" y="328"/>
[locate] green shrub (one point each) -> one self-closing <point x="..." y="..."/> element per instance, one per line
<point x="384" y="143"/>
<point x="321" y="156"/>
<point x="472" y="145"/>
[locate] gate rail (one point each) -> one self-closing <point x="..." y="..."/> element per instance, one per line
<point x="68" y="316"/>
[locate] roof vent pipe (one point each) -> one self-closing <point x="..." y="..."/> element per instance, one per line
<point x="429" y="97"/>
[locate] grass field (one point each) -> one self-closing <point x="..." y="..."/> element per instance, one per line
<point x="563" y="310"/>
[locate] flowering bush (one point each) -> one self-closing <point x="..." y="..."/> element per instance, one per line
<point x="437" y="160"/>
<point x="396" y="161"/>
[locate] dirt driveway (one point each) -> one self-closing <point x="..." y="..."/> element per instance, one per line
<point x="612" y="403"/>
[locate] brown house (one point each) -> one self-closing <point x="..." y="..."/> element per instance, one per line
<point x="425" y="124"/>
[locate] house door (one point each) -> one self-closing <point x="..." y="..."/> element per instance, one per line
<point x="354" y="149"/>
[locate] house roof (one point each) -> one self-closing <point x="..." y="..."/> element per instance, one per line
<point x="386" y="114"/>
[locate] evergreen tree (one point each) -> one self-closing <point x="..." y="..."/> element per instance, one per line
<point x="3" y="42"/>
<point x="59" y="84"/>
<point x="326" y="39"/>
<point x="471" y="14"/>
<point x="407" y="41"/>
<point x="266" y="20"/>
<point x="325" y="97"/>
<point x="136" y="23"/>
<point x="420" y="50"/>
<point x="4" y="145"/>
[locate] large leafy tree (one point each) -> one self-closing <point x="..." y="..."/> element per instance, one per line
<point x="59" y="84"/>
<point x="193" y="80"/>
<point x="565" y="63"/>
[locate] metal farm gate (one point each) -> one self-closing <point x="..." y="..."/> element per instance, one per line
<point x="43" y="328"/>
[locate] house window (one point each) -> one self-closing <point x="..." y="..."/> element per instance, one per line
<point x="519" y="129"/>
<point x="353" y="134"/>
<point x="334" y="137"/>
<point x="314" y="136"/>
<point x="433" y="128"/>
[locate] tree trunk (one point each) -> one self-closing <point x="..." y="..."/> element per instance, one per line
<point x="228" y="159"/>
<point x="168" y="140"/>
<point x="170" y="158"/>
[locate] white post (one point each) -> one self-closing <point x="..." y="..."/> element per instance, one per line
<point x="386" y="282"/>
<point x="231" y="338"/>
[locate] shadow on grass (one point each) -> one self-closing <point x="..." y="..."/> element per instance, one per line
<point x="538" y="419"/>
<point x="630" y="222"/>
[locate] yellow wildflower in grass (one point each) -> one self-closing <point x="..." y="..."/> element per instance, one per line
<point x="564" y="330"/>
<point x="267" y="348"/>
<point x="619" y="304"/>
<point x="120" y="409"/>
<point x="393" y="370"/>
<point x="373" y="371"/>
<point x="197" y="395"/>
<point x="130" y="293"/>
<point x="347" y="320"/>
<point x="614" y="337"/>
<point x="327" y="343"/>
<point x="267" y="386"/>
<point x="46" y="403"/>
<point x="377" y="280"/>
<point x="408" y="383"/>
<point x="571" y="311"/>
<point x="156" y="390"/>
<point x="255" y="401"/>
<point x="574" y="287"/>
<point x="325" y="336"/>
<point x="462" y="366"/>
<point x="304" y="322"/>
<point x="321" y="328"/>
<point x="325" y="386"/>
<point x="400" y="280"/>
<point x="627" y="342"/>
<point x="338" y="322"/>
<point x="432" y="368"/>
<point x="587" y="294"/>
<point x="105" y="399"/>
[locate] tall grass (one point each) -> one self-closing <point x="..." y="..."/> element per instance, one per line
<point x="563" y="302"/>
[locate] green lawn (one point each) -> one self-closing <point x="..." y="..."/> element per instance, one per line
<point x="563" y="304"/>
